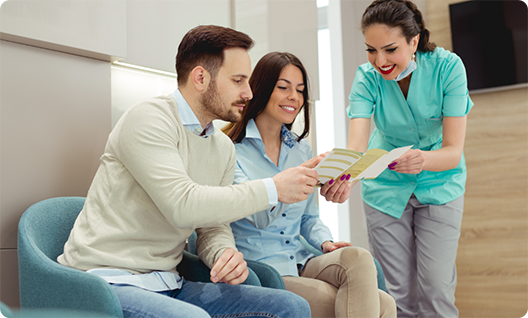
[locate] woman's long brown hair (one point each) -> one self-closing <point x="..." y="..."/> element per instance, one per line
<point x="262" y="83"/>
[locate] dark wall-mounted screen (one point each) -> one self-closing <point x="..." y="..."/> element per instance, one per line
<point x="491" y="37"/>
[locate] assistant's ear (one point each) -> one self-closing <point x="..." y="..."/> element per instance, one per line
<point x="415" y="42"/>
<point x="200" y="78"/>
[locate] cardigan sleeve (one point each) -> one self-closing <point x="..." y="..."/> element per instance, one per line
<point x="213" y="241"/>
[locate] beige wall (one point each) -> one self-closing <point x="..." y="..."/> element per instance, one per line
<point x="492" y="259"/>
<point x="55" y="118"/>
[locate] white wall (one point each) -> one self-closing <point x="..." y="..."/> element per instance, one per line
<point x="94" y="29"/>
<point x="156" y="27"/>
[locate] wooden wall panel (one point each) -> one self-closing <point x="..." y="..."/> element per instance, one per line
<point x="492" y="258"/>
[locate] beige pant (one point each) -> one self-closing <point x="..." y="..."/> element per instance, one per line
<point x="342" y="283"/>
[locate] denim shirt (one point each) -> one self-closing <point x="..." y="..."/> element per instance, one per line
<point x="272" y="236"/>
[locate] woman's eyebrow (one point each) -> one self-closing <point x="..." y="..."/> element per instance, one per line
<point x="382" y="46"/>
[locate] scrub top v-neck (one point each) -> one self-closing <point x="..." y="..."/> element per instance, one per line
<point x="438" y="89"/>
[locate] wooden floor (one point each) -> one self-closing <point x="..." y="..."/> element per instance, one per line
<point x="492" y="258"/>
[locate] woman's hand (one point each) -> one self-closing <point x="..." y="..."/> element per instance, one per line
<point x="337" y="191"/>
<point x="330" y="246"/>
<point x="410" y="162"/>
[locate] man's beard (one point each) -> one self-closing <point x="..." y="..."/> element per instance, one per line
<point x="213" y="103"/>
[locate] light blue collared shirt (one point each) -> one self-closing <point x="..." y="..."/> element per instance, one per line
<point x="272" y="235"/>
<point x="189" y="119"/>
<point x="155" y="281"/>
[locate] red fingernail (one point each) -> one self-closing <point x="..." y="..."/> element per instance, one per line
<point x="343" y="177"/>
<point x="391" y="166"/>
<point x="331" y="181"/>
<point x="348" y="177"/>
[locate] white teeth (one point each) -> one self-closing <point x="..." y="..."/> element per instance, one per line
<point x="288" y="108"/>
<point x="386" y="68"/>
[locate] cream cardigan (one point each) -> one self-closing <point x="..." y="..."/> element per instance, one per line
<point x="157" y="183"/>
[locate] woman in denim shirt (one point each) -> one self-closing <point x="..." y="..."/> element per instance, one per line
<point x="342" y="281"/>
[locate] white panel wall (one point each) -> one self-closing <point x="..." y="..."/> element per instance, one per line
<point x="156" y="27"/>
<point x="285" y="26"/>
<point x="293" y="28"/>
<point x="93" y="28"/>
<point x="131" y="86"/>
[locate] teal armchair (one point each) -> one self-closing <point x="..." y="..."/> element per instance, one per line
<point x="45" y="284"/>
<point x="46" y="313"/>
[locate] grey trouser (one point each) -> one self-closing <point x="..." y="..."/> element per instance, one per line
<point x="417" y="254"/>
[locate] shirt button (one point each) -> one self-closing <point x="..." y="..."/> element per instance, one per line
<point x="291" y="257"/>
<point x="412" y="129"/>
<point x="287" y="242"/>
<point x="282" y="232"/>
<point x="283" y="214"/>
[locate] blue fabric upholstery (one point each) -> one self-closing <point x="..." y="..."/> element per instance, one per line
<point x="5" y="311"/>
<point x="46" y="313"/>
<point x="381" y="276"/>
<point x="45" y="284"/>
<point x="260" y="274"/>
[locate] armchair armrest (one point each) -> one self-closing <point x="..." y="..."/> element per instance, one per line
<point x="193" y="269"/>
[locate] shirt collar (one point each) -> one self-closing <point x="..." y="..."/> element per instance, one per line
<point x="189" y="119"/>
<point x="288" y="137"/>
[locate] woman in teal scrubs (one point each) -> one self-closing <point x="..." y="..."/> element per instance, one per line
<point x="417" y="95"/>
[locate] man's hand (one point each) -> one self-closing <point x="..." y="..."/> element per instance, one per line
<point x="230" y="268"/>
<point x="295" y="184"/>
<point x="330" y="246"/>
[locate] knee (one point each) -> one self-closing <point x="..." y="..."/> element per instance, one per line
<point x="293" y="305"/>
<point x="387" y="305"/>
<point x="356" y="258"/>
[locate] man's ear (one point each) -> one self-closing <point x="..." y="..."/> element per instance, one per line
<point x="200" y="78"/>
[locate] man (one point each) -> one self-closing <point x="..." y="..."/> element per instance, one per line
<point x="164" y="174"/>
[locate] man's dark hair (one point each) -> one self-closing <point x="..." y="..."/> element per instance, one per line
<point x="204" y="46"/>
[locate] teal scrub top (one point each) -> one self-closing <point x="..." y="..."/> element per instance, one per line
<point x="438" y="89"/>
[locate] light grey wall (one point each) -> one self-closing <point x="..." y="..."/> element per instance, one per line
<point x="55" y="118"/>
